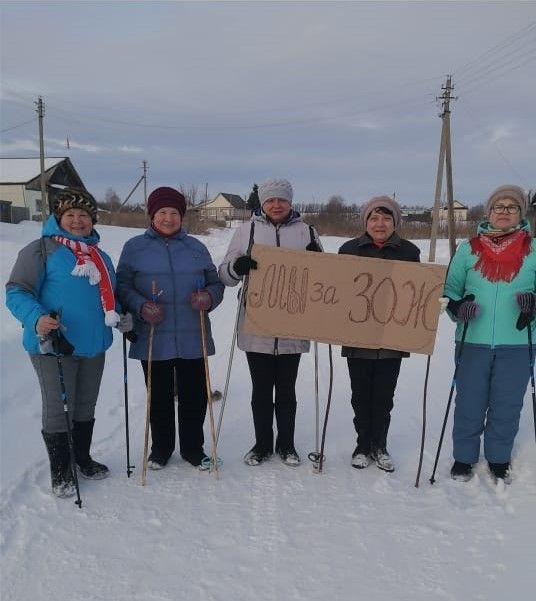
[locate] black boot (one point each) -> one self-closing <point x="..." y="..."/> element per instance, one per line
<point x="82" y="434"/>
<point x="61" y="473"/>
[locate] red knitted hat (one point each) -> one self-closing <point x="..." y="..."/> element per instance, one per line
<point x="165" y="197"/>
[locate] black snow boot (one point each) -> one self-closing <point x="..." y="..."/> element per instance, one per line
<point x="463" y="472"/>
<point x="82" y="435"/>
<point x="61" y="473"/>
<point x="500" y="471"/>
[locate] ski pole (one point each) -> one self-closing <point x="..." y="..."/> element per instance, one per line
<point x="214" y="459"/>
<point x="69" y="431"/>
<point x="453" y="385"/>
<point x="328" y="405"/>
<point x="57" y="352"/>
<point x="154" y="297"/>
<point x="314" y="456"/>
<point x="241" y="299"/>
<point x="531" y="368"/>
<point x="423" y="435"/>
<point x="130" y="335"/>
<point x="230" y="362"/>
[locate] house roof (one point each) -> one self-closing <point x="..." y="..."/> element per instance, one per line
<point x="23" y="170"/>
<point x="27" y="171"/>
<point x="235" y="200"/>
<point x="456" y="204"/>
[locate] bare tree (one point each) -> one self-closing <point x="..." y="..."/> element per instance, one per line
<point x="190" y="192"/>
<point x="476" y="213"/>
<point x="111" y="201"/>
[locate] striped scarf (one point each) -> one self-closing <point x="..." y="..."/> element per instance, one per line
<point x="90" y="264"/>
<point x="500" y="256"/>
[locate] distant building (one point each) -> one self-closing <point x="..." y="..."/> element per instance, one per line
<point x="460" y="212"/>
<point x="224" y="207"/>
<point x="416" y="214"/>
<point x="20" y="185"/>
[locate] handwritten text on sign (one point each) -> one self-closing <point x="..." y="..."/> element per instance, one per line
<point x="342" y="299"/>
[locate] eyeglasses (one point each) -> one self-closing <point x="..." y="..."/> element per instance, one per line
<point x="510" y="209"/>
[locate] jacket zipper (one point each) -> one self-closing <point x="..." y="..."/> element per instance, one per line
<point x="166" y="242"/>
<point x="494" y="315"/>
<point x="278" y="244"/>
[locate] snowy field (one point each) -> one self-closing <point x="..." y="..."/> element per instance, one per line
<point x="270" y="533"/>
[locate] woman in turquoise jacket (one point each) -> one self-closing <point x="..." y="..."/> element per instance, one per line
<point x="491" y="285"/>
<point x="62" y="288"/>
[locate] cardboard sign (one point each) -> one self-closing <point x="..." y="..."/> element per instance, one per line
<point x="343" y="299"/>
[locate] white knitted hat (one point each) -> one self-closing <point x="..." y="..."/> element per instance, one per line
<point x="275" y="188"/>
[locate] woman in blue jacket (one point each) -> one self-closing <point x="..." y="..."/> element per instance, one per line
<point x="64" y="283"/>
<point x="187" y="282"/>
<point x="491" y="285"/>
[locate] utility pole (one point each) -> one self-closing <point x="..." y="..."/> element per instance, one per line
<point x="42" y="180"/>
<point x="445" y="160"/>
<point x="145" y="185"/>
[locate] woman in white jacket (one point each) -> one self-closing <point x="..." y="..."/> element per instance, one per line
<point x="273" y="362"/>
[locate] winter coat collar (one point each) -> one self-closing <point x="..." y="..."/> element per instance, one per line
<point x="152" y="233"/>
<point x="485" y="228"/>
<point x="394" y="240"/>
<point x="260" y="215"/>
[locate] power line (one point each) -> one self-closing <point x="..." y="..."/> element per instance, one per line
<point x="482" y="127"/>
<point x="15" y="126"/>
<point x="509" y="40"/>
<point x="505" y="61"/>
<point x="471" y="85"/>
<point x="77" y="118"/>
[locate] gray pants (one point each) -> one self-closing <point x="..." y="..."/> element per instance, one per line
<point x="82" y="377"/>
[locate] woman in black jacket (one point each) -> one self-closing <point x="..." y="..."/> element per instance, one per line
<point x="374" y="372"/>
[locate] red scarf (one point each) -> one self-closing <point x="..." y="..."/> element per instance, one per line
<point x="500" y="256"/>
<point x="90" y="264"/>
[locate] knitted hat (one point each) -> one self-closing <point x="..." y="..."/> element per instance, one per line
<point x="508" y="191"/>
<point x="165" y="197"/>
<point x="275" y="188"/>
<point x="384" y="202"/>
<point x="75" y="198"/>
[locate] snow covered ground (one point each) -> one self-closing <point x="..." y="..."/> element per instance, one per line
<point x="266" y="533"/>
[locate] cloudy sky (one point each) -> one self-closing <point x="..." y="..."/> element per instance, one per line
<point x="338" y="97"/>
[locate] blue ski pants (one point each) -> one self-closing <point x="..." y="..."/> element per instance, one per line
<point x="490" y="386"/>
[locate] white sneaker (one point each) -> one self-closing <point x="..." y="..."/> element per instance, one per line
<point x="290" y="457"/>
<point x="155" y="464"/>
<point x="256" y="457"/>
<point x="383" y="460"/>
<point x="360" y="461"/>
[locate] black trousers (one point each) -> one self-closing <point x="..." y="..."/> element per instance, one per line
<point x="269" y="372"/>
<point x="191" y="408"/>
<point x="373" y="384"/>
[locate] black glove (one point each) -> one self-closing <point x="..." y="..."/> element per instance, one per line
<point x="60" y="344"/>
<point x="464" y="309"/>
<point x="244" y="264"/>
<point x="313" y="246"/>
<point x="55" y="343"/>
<point x="527" y="304"/>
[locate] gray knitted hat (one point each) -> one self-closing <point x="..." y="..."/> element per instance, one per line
<point x="384" y="202"/>
<point x="275" y="188"/>
<point x="508" y="191"/>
